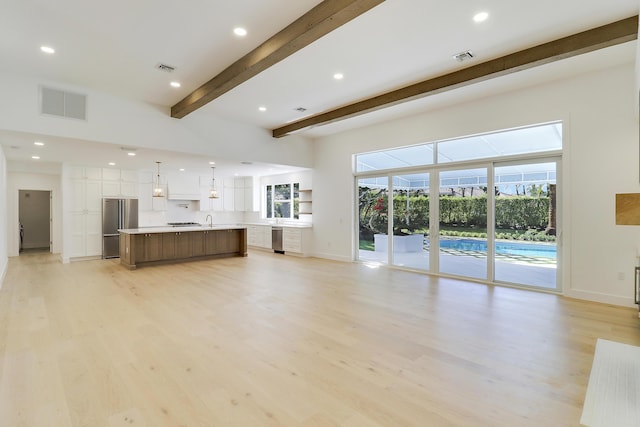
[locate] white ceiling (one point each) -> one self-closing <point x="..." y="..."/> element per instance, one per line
<point x="113" y="46"/>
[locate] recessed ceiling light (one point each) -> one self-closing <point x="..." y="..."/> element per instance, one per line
<point x="131" y="153"/>
<point x="175" y="84"/>
<point x="47" y="49"/>
<point x="38" y="143"/>
<point x="481" y="16"/>
<point x="181" y="169"/>
<point x="35" y="157"/>
<point x="236" y="174"/>
<point x="338" y="76"/>
<point x="239" y="31"/>
<point x="263" y="109"/>
<point x="212" y="163"/>
<point x="112" y="163"/>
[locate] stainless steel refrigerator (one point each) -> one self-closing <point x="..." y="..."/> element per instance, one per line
<point x="116" y="213"/>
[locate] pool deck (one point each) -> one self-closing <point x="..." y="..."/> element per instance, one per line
<point x="514" y="269"/>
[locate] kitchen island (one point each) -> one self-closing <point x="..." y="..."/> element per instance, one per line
<point x="162" y="245"/>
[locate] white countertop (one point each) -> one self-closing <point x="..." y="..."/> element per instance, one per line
<point x="284" y="225"/>
<point x="169" y="229"/>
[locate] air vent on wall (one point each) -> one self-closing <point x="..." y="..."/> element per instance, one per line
<point x="63" y="104"/>
<point x="165" y="67"/>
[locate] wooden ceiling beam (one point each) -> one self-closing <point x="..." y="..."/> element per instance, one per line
<point x="586" y="41"/>
<point x="319" y="21"/>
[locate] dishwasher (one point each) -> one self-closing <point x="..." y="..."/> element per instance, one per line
<point x="276" y="240"/>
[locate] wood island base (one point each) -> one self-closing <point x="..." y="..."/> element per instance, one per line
<point x="162" y="246"/>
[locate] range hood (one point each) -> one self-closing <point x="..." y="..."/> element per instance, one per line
<point x="183" y="187"/>
<point x="182" y="196"/>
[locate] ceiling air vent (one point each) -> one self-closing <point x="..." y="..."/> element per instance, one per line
<point x="463" y="56"/>
<point x="56" y="102"/>
<point x="166" y="68"/>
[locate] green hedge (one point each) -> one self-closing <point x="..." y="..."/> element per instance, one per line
<point x="522" y="212"/>
<point x="517" y="212"/>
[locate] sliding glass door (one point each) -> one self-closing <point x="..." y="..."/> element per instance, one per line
<point x="482" y="207"/>
<point x="526" y="250"/>
<point x="373" y="220"/>
<point x="411" y="221"/>
<point x="463" y="222"/>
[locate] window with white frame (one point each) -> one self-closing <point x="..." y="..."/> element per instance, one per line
<point x="282" y="201"/>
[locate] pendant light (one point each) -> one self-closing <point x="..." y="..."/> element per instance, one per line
<point x="213" y="192"/>
<point x="157" y="188"/>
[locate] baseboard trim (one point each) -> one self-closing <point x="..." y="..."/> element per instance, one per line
<point x="3" y="273"/>
<point x="600" y="297"/>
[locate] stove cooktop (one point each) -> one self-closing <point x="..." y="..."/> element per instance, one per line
<point x="183" y="224"/>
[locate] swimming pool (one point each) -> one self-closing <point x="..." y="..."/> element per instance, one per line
<point x="502" y="248"/>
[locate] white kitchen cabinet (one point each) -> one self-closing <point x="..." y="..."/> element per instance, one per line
<point x="236" y="193"/>
<point x="144" y="196"/>
<point x="86" y="196"/>
<point x="228" y="197"/>
<point x="247" y="185"/>
<point x="259" y="236"/>
<point x="129" y="189"/>
<point x="81" y="172"/>
<point x="243" y="193"/>
<point x="292" y="240"/>
<point x="238" y="199"/>
<point x="207" y="204"/>
<point x="109" y="174"/>
<point x="129" y="176"/>
<point x="86" y="235"/>
<point x="119" y="183"/>
<point x="297" y="240"/>
<point x="119" y="189"/>
<point x="129" y="183"/>
<point x="144" y="193"/>
<point x="110" y="188"/>
<point x="145" y="177"/>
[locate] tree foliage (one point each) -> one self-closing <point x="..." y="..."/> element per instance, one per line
<point x="411" y="213"/>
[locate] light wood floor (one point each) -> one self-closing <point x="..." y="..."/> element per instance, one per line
<point x="272" y="340"/>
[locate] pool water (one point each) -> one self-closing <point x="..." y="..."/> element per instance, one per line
<point x="502" y="248"/>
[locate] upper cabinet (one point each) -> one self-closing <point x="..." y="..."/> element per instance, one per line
<point x="206" y="203"/>
<point x="81" y="172"/>
<point x="85" y="189"/>
<point x="119" y="183"/>
<point x="146" y="201"/>
<point x="234" y="194"/>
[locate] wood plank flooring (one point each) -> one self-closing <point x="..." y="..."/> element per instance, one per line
<point x="272" y="340"/>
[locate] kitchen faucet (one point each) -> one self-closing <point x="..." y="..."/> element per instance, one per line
<point x="210" y="219"/>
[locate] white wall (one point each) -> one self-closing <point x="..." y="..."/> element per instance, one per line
<point x="3" y="216"/>
<point x="131" y="123"/>
<point x="32" y="181"/>
<point x="600" y="159"/>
